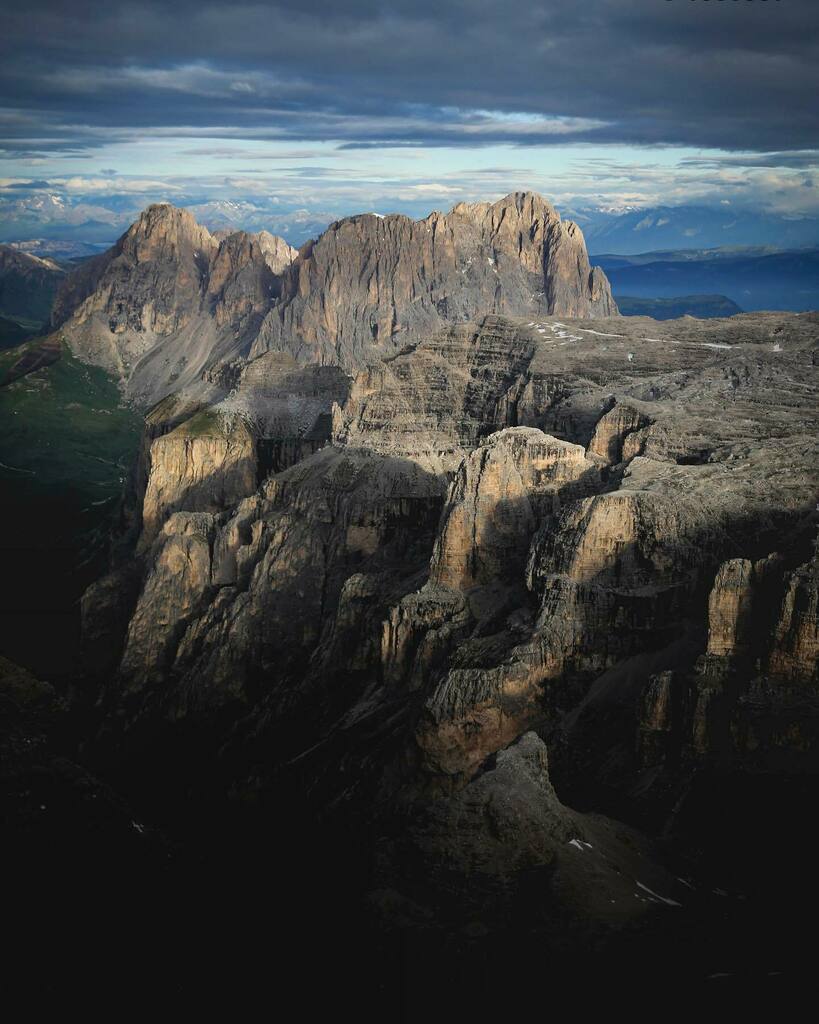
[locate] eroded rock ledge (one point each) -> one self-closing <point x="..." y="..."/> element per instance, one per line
<point x="576" y="528"/>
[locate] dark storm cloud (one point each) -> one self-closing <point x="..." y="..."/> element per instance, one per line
<point x="796" y="159"/>
<point x="737" y="76"/>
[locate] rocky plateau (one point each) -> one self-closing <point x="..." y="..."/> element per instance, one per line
<point x="429" y="545"/>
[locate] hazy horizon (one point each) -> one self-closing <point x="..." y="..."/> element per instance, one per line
<point x="404" y="108"/>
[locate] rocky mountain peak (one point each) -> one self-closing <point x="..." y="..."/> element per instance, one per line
<point x="278" y="253"/>
<point x="171" y="304"/>
<point x="166" y="231"/>
<point x="526" y="206"/>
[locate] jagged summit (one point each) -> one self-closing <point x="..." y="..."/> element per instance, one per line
<point x="170" y="304"/>
<point x="166" y="223"/>
<point x="278" y="253"/>
<point x="530" y="204"/>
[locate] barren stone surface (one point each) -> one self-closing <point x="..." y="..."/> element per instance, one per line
<point x="456" y="549"/>
<point x="171" y="306"/>
<point x="598" y="531"/>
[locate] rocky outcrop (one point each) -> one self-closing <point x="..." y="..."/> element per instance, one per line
<point x="277" y="253"/>
<point x="206" y="464"/>
<point x="173" y="593"/>
<point x="730" y="609"/>
<point x="617" y="437"/>
<point x="482" y="548"/>
<point x="171" y="306"/>
<point x="500" y="493"/>
<point x="794" y="655"/>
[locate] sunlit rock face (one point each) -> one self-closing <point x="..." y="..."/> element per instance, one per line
<point x="170" y="305"/>
<point x="371" y="283"/>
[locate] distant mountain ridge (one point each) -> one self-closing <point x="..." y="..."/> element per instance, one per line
<point x="701" y="306"/>
<point x="28" y="285"/>
<point x="755" y="279"/>
<point x="52" y="215"/>
<point x="692" y="225"/>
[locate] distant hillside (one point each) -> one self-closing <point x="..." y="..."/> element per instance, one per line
<point x="755" y="279"/>
<point x="27" y="285"/>
<point x="702" y="306"/>
<point x="678" y="227"/>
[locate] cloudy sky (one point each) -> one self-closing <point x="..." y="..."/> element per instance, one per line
<point x="411" y="106"/>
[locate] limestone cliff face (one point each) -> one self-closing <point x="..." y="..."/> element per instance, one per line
<point x="369" y="284"/>
<point x="752" y="693"/>
<point x="501" y="492"/>
<point x="273" y="570"/>
<point x="434" y="402"/>
<point x="730" y="609"/>
<point x="241" y="279"/>
<point x="206" y="464"/>
<point x="609" y="576"/>
<point x="516" y="524"/>
<point x="613" y="578"/>
<point x="794" y="656"/>
<point x="171" y="306"/>
<point x="173" y="592"/>
<point x="202" y="457"/>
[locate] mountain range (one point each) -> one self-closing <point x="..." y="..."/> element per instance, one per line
<point x="687" y="226"/>
<point x="53" y="213"/>
<point x="446" y="611"/>
<point x="754" y="279"/>
<point x="172" y="306"/>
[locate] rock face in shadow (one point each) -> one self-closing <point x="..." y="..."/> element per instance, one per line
<point x="506" y="839"/>
<point x="250" y="594"/>
<point x="170" y="307"/>
<point x="600" y="531"/>
<point x="27" y="285"/>
<point x="794" y="655"/>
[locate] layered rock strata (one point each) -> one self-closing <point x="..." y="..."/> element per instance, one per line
<point x="170" y="305"/>
<point x="483" y="548"/>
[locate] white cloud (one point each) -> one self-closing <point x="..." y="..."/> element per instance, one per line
<point x="78" y="185"/>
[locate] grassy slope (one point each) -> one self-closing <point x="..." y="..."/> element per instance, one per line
<point x="65" y="447"/>
<point x="13" y="331"/>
